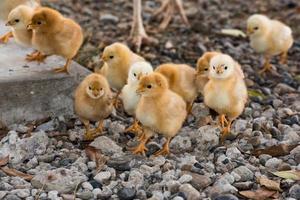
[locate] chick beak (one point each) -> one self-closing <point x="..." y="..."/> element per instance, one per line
<point x="96" y="93"/>
<point x="8" y="23"/>
<point x="29" y="26"/>
<point x="140" y="90"/>
<point x="140" y="75"/>
<point x="219" y="70"/>
<point x="103" y="58"/>
<point x="249" y="31"/>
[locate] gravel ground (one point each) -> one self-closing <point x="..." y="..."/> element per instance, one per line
<point x="57" y="165"/>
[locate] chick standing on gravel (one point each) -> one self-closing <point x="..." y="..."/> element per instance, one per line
<point x="269" y="37"/>
<point x="159" y="110"/>
<point x="128" y="95"/>
<point x="118" y="58"/>
<point x="53" y="34"/>
<point x="6" y="6"/>
<point x="225" y="92"/>
<point x="93" y="102"/>
<point x="181" y="79"/>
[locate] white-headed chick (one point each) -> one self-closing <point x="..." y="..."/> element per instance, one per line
<point x="159" y="110"/>
<point x="93" y="102"/>
<point x="269" y="37"/>
<point x="128" y="95"/>
<point x="18" y="19"/>
<point x="225" y="92"/>
<point x="182" y="80"/>
<point x="53" y="34"/>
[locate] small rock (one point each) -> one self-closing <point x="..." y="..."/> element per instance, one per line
<point x="127" y="193"/>
<point x="240" y="125"/>
<point x="87" y="186"/>
<point x="102" y="177"/>
<point x="180" y="143"/>
<point x="2" y="194"/>
<point x="295" y="191"/>
<point x="109" y="18"/>
<point x="185" y="178"/>
<point x="226" y="197"/>
<point x="189" y="191"/>
<point x="198" y="181"/>
<point x="173" y="186"/>
<point x="22" y="193"/>
<point x="96" y="192"/>
<point x="85" y="195"/>
<point x="106" y="145"/>
<point x="233" y="153"/>
<point x="207" y="137"/>
<point x="123" y="163"/>
<point x="273" y="163"/>
<point x="263" y="158"/>
<point x="12" y="197"/>
<point x="53" y="195"/>
<point x="245" y="173"/>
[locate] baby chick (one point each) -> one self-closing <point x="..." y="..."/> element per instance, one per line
<point x="118" y="58"/>
<point x="18" y="19"/>
<point x="6" y="6"/>
<point x="225" y="92"/>
<point x="269" y="37"/>
<point x="159" y="110"/>
<point x="128" y="95"/>
<point x="93" y="102"/>
<point x="54" y="34"/>
<point x="181" y="79"/>
<point x="203" y="70"/>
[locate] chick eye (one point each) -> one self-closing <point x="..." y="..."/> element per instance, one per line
<point x="90" y="88"/>
<point x="206" y="69"/>
<point x="225" y="67"/>
<point x="214" y="67"/>
<point x="17" y="20"/>
<point x="39" y="23"/>
<point x="255" y="28"/>
<point x="149" y="86"/>
<point x="134" y="74"/>
<point x="111" y="57"/>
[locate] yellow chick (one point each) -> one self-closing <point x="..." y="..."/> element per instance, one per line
<point x="93" y="102"/>
<point x="181" y="79"/>
<point x="128" y="94"/>
<point x="18" y="19"/>
<point x="202" y="70"/>
<point x="6" y="6"/>
<point x="225" y="92"/>
<point x="159" y="110"/>
<point x="269" y="37"/>
<point x="54" y="34"/>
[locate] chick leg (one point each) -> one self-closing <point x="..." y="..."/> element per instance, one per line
<point x="267" y="65"/>
<point x="65" y="68"/>
<point x="165" y="150"/>
<point x="4" y="39"/>
<point x="36" y="56"/>
<point x="98" y="131"/>
<point x="283" y="58"/>
<point x="226" y="131"/>
<point x="138" y="34"/>
<point x="141" y="148"/>
<point x="167" y="9"/>
<point x="223" y="120"/>
<point x="116" y="101"/>
<point x="189" y="108"/>
<point x="88" y="133"/>
<point x="134" y="128"/>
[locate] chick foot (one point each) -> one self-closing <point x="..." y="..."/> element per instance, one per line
<point x="283" y="58"/>
<point x="36" y="56"/>
<point x="165" y="150"/>
<point x="225" y="132"/>
<point x="64" y="69"/>
<point x="223" y="120"/>
<point x="5" y="38"/>
<point x="99" y="130"/>
<point x="141" y="148"/>
<point x="267" y="66"/>
<point x="134" y="128"/>
<point x="168" y="9"/>
<point x="138" y="35"/>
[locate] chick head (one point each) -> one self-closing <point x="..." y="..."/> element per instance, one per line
<point x="221" y="66"/>
<point x="96" y="87"/>
<point x="152" y="85"/>
<point x="257" y="25"/>
<point x="203" y="63"/>
<point x="114" y="53"/>
<point x="19" y="17"/>
<point x="45" y="19"/>
<point x="138" y="70"/>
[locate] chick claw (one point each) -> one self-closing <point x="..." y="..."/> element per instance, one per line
<point x="61" y="70"/>
<point x="5" y="38"/>
<point x="140" y="149"/>
<point x="134" y="128"/>
<point x="36" y="56"/>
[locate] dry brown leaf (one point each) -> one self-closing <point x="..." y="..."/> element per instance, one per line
<point x="277" y="150"/>
<point x="13" y="172"/>
<point x="291" y="174"/>
<point x="260" y="194"/>
<point x="270" y="184"/>
<point x="4" y="161"/>
<point x="96" y="156"/>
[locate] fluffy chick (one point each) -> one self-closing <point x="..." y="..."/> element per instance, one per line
<point x="181" y="79"/>
<point x="128" y="95"/>
<point x="118" y="58"/>
<point x="159" y="110"/>
<point x="269" y="37"/>
<point x="225" y="92"/>
<point x="18" y="19"/>
<point x="53" y="34"/>
<point x="93" y="102"/>
<point x="6" y="6"/>
<point x="202" y="70"/>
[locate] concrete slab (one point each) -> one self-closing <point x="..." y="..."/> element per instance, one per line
<point x="31" y="91"/>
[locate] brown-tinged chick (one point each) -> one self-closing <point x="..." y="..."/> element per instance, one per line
<point x="159" y="110"/>
<point x="54" y="34"/>
<point x="93" y="102"/>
